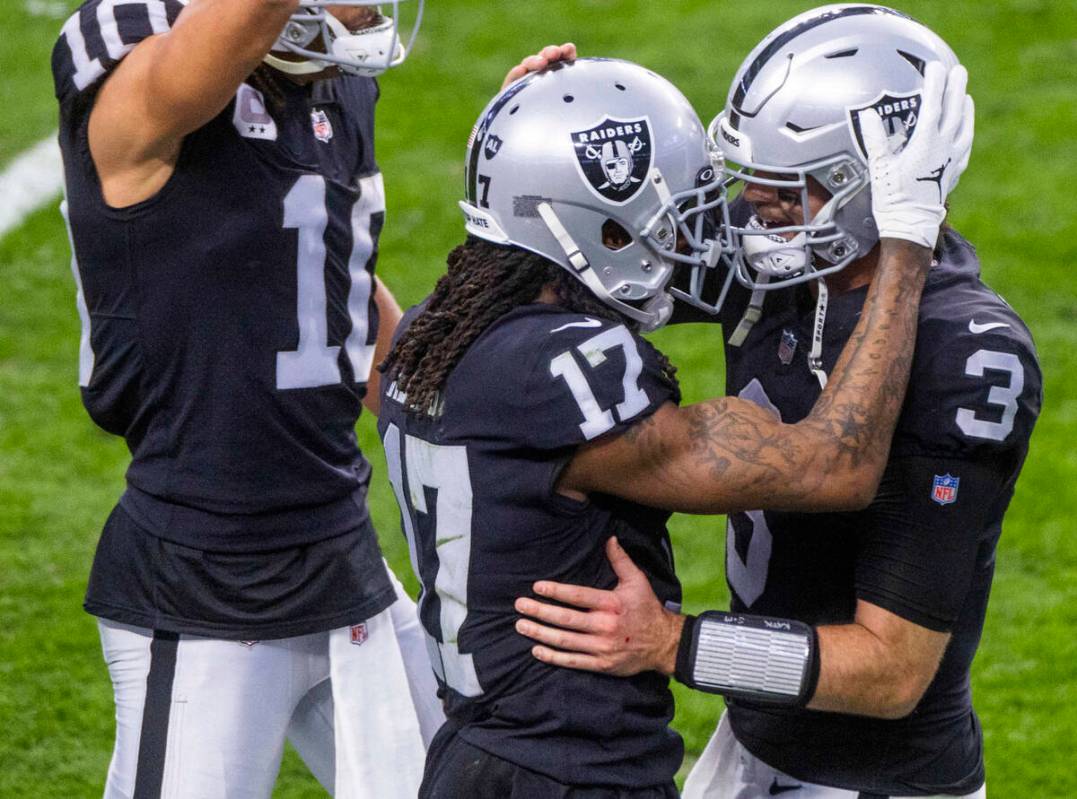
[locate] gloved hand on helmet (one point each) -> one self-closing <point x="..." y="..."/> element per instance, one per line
<point x="910" y="179"/>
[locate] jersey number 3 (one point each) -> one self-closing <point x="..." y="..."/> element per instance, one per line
<point x="1005" y="396"/>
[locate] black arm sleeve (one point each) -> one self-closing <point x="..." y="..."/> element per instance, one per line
<point x="924" y="536"/>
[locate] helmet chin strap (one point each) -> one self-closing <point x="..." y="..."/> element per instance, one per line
<point x="815" y="357"/>
<point x="752" y="314"/>
<point x="304" y="67"/>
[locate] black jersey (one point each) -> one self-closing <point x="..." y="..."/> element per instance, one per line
<point x="924" y="549"/>
<point x="229" y="324"/>
<point x="476" y="485"/>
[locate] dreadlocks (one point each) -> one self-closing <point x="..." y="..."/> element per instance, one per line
<point x="268" y="81"/>
<point x="484" y="281"/>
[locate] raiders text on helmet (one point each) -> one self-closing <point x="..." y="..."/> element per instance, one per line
<point x="602" y="167"/>
<point x="323" y="41"/>
<point x="793" y="112"/>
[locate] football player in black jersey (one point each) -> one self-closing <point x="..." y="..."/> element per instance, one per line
<point x="525" y="420"/>
<point x="895" y="594"/>
<point x="224" y="206"/>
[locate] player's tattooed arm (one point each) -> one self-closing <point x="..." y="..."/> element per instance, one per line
<point x="730" y="454"/>
<point x="171" y="84"/>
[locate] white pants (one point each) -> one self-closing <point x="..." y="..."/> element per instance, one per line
<point x="726" y="770"/>
<point x="358" y="703"/>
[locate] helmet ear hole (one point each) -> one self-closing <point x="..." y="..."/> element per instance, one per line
<point x="614" y="236"/>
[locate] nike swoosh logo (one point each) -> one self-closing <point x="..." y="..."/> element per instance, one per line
<point x="975" y="328"/>
<point x="589" y="323"/>
<point x="776" y="789"/>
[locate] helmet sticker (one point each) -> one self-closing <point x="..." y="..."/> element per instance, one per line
<point x="900" y="114"/>
<point x="476" y="143"/>
<point x="492" y="145"/>
<point x="614" y="157"/>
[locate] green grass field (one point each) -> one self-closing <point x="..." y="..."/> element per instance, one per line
<point x="59" y="475"/>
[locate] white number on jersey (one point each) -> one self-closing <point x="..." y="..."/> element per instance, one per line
<point x="444" y="469"/>
<point x="86" y="353"/>
<point x="1006" y="396"/>
<point x="88" y="70"/>
<point x="598" y="420"/>
<point x="314" y="362"/>
<point x="748" y="576"/>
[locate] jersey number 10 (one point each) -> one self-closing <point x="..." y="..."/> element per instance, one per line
<point x="315" y="362"/>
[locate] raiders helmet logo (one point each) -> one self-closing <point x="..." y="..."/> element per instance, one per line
<point x="900" y="113"/>
<point x="614" y="157"/>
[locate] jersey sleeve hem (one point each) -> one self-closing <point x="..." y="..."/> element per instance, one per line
<point x="901" y="607"/>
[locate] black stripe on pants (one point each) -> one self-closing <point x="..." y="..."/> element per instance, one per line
<point x="151" y="742"/>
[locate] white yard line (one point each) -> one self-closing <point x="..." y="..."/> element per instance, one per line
<point x="33" y="179"/>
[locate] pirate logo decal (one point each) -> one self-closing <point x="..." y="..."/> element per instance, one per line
<point x="900" y="114"/>
<point x="614" y="157"/>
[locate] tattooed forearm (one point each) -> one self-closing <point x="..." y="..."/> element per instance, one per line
<point x="863" y="398"/>
<point x="730" y="454"/>
<point x="836" y="456"/>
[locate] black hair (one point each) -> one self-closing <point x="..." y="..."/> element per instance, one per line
<point x="484" y="281"/>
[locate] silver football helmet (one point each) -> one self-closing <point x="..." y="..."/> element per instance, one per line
<point x="603" y="167"/>
<point x="323" y="41"/>
<point x="792" y="113"/>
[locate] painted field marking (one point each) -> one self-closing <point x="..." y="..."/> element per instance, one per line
<point x="33" y="179"/>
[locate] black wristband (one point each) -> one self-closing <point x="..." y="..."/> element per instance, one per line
<point x="683" y="671"/>
<point x="811" y="679"/>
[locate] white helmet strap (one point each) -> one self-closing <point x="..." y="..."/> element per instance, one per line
<point x="654" y="313"/>
<point x="752" y="314"/>
<point x="567" y="243"/>
<point x="815" y="357"/>
<point x="304" y="67"/>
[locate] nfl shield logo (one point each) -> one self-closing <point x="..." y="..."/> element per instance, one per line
<point x="787" y="348"/>
<point x="319" y="122"/>
<point x="900" y="114"/>
<point x="944" y="489"/>
<point x="359" y="633"/>
<point x="614" y="157"/>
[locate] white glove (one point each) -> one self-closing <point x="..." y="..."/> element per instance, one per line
<point x="910" y="180"/>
